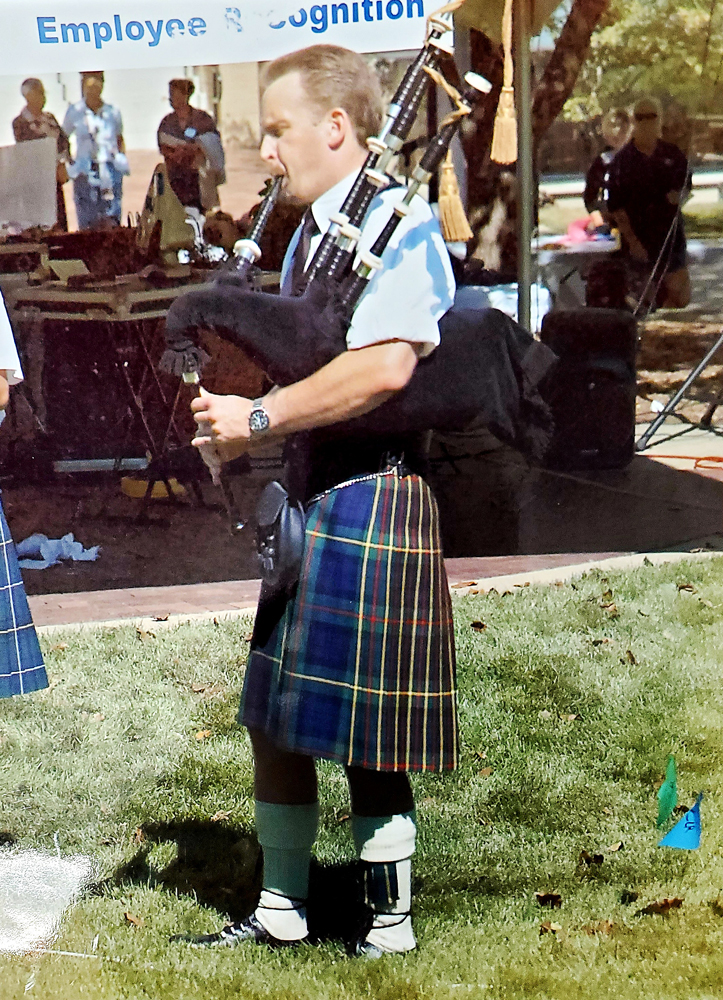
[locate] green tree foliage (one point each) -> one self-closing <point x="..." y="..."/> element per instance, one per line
<point x="670" y="48"/>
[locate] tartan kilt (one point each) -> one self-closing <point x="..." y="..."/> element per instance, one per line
<point x="358" y="664"/>
<point x="21" y="663"/>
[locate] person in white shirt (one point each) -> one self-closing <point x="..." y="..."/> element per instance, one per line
<point x="100" y="162"/>
<point x="21" y="662"/>
<point x="357" y="665"/>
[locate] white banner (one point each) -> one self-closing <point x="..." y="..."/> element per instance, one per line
<point x="61" y="35"/>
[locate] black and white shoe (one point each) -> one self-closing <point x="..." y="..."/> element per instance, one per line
<point x="248" y="929"/>
<point x="393" y="931"/>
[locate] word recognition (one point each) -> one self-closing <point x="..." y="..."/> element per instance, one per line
<point x="356" y="11"/>
<point x="50" y="32"/>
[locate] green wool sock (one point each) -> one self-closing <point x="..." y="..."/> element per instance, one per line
<point x="287" y="834"/>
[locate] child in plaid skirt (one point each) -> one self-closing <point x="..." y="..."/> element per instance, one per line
<point x="21" y="663"/>
<point x="357" y="663"/>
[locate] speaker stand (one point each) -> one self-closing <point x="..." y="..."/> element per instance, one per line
<point x="705" y="423"/>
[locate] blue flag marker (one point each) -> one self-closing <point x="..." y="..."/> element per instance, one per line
<point x="685" y="834"/>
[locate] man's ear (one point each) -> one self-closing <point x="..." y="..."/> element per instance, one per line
<point x="339" y="127"/>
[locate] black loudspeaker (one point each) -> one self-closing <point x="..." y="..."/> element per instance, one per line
<point x="592" y="390"/>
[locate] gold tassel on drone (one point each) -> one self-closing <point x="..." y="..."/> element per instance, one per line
<point x="504" y="140"/>
<point x="452" y="219"/>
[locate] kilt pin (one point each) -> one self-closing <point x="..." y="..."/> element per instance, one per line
<point x="22" y="669"/>
<point x="358" y="664"/>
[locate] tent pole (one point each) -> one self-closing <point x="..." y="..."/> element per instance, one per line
<point x="525" y="186"/>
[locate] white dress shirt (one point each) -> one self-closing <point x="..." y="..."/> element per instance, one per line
<point x="96" y="136"/>
<point x="415" y="288"/>
<point x="9" y="360"/>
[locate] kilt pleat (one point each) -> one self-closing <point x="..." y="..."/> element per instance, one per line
<point x="21" y="663"/>
<point x="358" y="665"/>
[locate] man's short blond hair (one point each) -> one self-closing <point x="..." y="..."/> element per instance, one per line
<point x="334" y="77"/>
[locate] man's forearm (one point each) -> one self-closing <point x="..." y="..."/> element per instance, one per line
<point x="350" y="385"/>
<point x="621" y="220"/>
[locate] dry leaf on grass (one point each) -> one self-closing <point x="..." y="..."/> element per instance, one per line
<point x="612" y="610"/>
<point x="248" y="636"/>
<point x="661" y="907"/>
<point x="590" y="859"/>
<point x="161" y="618"/>
<point x="551" y="899"/>
<point x="607" y="596"/>
<point x="485" y="772"/>
<point x="547" y="927"/>
<point x="599" y="927"/>
<point x="342" y="817"/>
<point x="607" y="810"/>
<point x="463" y="583"/>
<point x="135" y="921"/>
<point x="202" y="734"/>
<point x="544" y="714"/>
<point x="687" y="588"/>
<point x="630" y="656"/>
<point x="59" y="647"/>
<point x="139" y="835"/>
<point x="220" y="816"/>
<point x="198" y="688"/>
<point x="643" y="614"/>
<point x="601" y="642"/>
<point x="615" y="847"/>
<point x="572" y="717"/>
<point x="145" y="635"/>
<point x="478" y="626"/>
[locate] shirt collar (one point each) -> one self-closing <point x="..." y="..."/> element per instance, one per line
<point x="331" y="201"/>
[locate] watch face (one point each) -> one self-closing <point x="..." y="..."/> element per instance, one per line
<point x="258" y="421"/>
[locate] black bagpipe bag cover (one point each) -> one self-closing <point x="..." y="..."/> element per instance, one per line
<point x="486" y="371"/>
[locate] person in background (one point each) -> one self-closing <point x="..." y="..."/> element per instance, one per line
<point x="100" y="161"/>
<point x="615" y="128"/>
<point x="34" y="122"/>
<point x="648" y="181"/>
<point x="191" y="146"/>
<point x="21" y="662"/>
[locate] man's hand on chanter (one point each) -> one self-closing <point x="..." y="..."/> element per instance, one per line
<point x="223" y="421"/>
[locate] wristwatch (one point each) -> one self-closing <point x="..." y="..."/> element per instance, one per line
<point x="259" y="421"/>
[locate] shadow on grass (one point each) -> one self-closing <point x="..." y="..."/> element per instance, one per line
<point x="221" y="867"/>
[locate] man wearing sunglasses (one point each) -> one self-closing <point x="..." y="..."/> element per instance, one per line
<point x="648" y="182"/>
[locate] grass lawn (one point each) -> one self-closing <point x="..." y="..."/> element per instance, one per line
<point x="572" y="697"/>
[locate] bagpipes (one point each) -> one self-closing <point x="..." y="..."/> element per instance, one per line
<point x="486" y="368"/>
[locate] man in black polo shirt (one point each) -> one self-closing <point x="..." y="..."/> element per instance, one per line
<point x="647" y="183"/>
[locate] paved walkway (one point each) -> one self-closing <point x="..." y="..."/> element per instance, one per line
<point x="206" y="600"/>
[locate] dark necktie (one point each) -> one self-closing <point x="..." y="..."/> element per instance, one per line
<point x="309" y="229"/>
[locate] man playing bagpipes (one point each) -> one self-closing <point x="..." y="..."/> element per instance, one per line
<point x="356" y="663"/>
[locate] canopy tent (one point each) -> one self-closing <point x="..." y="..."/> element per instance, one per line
<point x="486" y="15"/>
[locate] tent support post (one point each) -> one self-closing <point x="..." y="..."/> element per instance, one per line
<point x="525" y="185"/>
